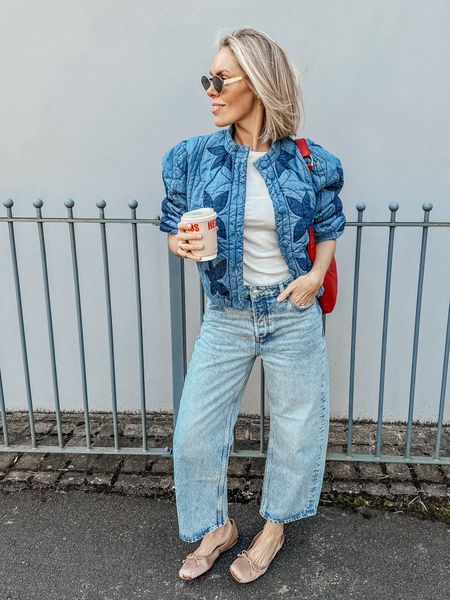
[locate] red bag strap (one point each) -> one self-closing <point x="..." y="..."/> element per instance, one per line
<point x="303" y="147"/>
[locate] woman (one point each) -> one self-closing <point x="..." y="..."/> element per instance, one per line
<point x="261" y="299"/>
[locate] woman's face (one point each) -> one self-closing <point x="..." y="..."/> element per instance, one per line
<point x="237" y="101"/>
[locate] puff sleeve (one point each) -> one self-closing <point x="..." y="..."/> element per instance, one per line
<point x="328" y="179"/>
<point x="174" y="175"/>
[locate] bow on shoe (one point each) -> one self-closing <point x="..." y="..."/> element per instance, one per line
<point x="253" y="564"/>
<point x="193" y="555"/>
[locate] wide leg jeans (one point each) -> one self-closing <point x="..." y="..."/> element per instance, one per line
<point x="291" y="343"/>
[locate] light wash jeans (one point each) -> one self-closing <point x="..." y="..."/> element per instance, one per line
<point x="291" y="343"/>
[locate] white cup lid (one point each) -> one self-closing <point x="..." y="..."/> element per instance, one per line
<point x="199" y="214"/>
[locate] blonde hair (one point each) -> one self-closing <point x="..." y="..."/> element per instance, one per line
<point x="271" y="76"/>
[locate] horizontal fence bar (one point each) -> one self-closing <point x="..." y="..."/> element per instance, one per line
<point x="19" y="448"/>
<point x="78" y="219"/>
<point x="157" y="221"/>
<point x="247" y="453"/>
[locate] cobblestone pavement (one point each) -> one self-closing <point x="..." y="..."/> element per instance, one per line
<point x="421" y="488"/>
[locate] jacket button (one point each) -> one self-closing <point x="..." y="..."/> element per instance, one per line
<point x="270" y="175"/>
<point x="282" y="210"/>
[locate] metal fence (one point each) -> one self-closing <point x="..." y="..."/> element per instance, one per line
<point x="179" y="341"/>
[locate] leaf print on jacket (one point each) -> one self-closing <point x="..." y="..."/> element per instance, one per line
<point x="282" y="163"/>
<point x="218" y="204"/>
<point x="300" y="209"/>
<point x="214" y="273"/>
<point x="223" y="158"/>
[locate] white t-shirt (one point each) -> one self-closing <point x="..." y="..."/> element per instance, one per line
<point x="263" y="261"/>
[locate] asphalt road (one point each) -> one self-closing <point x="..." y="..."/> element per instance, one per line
<point x="83" y="546"/>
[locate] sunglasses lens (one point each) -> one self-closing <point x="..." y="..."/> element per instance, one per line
<point x="205" y="82"/>
<point x="217" y="83"/>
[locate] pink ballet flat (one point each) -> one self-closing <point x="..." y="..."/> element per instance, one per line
<point x="244" y="569"/>
<point x="196" y="564"/>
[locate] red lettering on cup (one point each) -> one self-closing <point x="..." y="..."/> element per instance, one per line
<point x="193" y="227"/>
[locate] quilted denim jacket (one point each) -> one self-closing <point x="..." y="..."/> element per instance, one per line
<point x="210" y="170"/>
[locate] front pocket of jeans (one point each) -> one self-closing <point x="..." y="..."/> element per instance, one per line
<point x="301" y="308"/>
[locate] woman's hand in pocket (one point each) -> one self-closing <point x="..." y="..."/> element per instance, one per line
<point x="303" y="290"/>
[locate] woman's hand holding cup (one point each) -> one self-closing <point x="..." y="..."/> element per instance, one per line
<point x="184" y="246"/>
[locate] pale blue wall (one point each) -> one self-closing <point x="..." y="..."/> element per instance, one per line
<point x="92" y="95"/>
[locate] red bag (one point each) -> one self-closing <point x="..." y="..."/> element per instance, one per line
<point x="327" y="300"/>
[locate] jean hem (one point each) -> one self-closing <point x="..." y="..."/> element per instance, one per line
<point x="199" y="536"/>
<point x="301" y="515"/>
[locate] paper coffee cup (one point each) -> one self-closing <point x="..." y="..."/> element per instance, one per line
<point x="203" y="220"/>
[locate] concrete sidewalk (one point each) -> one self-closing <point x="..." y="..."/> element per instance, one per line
<point x="82" y="546"/>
